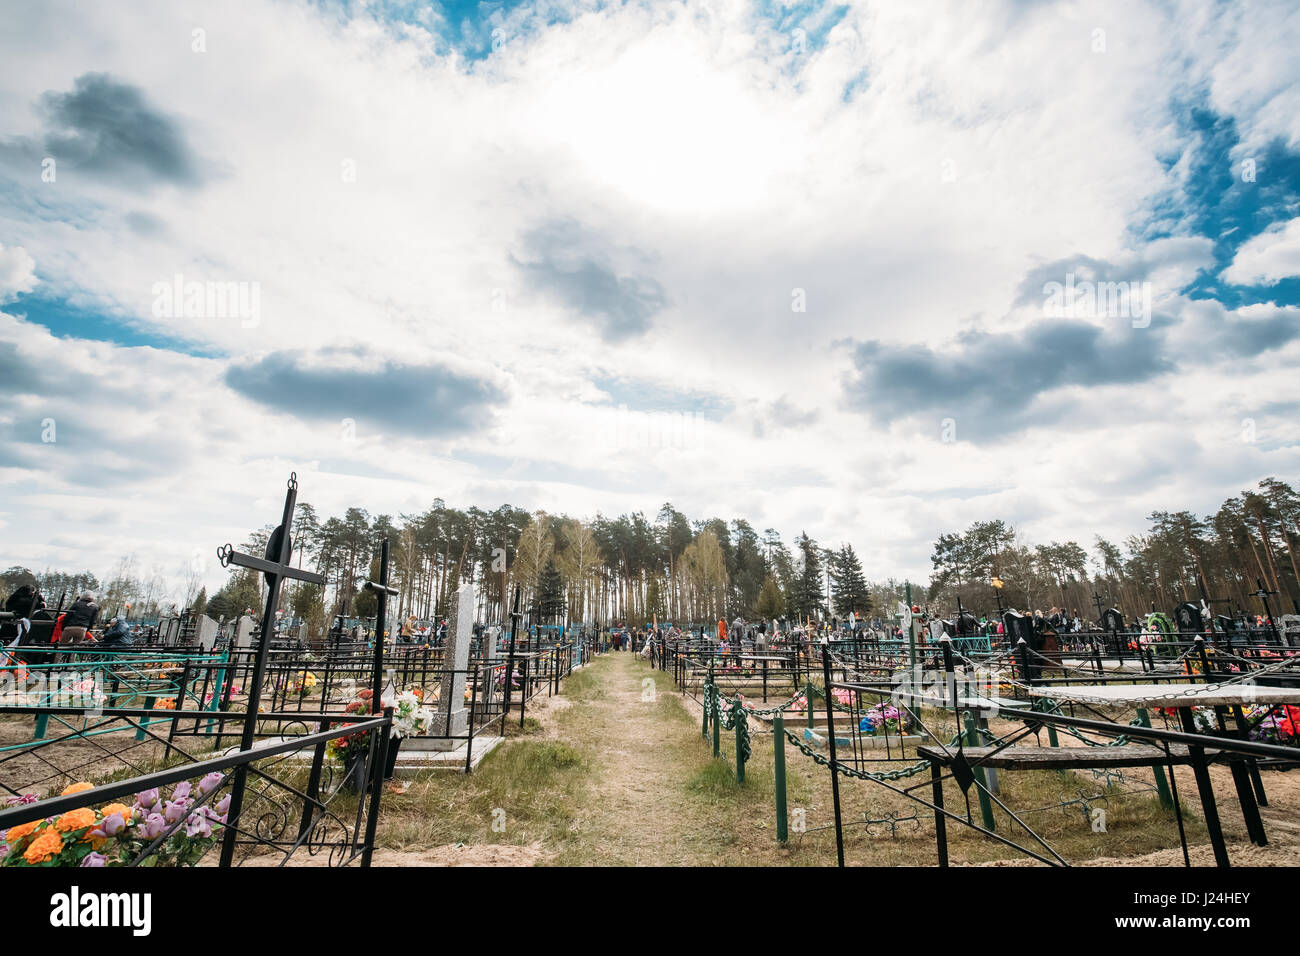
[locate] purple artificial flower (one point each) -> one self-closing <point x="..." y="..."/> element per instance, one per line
<point x="210" y="783"/>
<point x="154" y="824"/>
<point x="182" y="791"/>
<point x="223" y="807"/>
<point x="148" y="799"/>
<point x="198" y="825"/>
<point x="20" y="800"/>
<point x="94" y="859"/>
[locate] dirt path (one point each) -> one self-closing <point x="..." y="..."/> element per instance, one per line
<point x="641" y="810"/>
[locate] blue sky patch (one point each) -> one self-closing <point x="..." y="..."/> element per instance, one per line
<point x="67" y="321"/>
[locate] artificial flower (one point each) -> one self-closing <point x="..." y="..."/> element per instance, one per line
<point x="76" y="820"/>
<point x="46" y="845"/>
<point x="120" y="808"/>
<point x="14" y="834"/>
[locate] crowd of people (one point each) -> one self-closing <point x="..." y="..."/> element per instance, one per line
<point x="27" y="619"/>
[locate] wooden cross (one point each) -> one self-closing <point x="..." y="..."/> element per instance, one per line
<point x="275" y="566"/>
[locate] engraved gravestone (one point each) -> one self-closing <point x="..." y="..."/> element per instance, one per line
<point x="451" y="718"/>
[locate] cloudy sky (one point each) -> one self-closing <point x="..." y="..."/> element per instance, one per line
<point x="801" y="263"/>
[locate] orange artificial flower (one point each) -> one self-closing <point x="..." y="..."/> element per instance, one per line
<point x="76" y="820"/>
<point x="126" y="812"/>
<point x="15" y="834"/>
<point x="76" y="788"/>
<point x="43" y="847"/>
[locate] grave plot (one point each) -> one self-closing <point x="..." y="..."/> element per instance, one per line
<point x="202" y="781"/>
<point x="984" y="762"/>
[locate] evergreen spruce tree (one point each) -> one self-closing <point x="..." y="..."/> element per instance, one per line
<point x="550" y="593"/>
<point x="805" y="598"/>
<point x="848" y="584"/>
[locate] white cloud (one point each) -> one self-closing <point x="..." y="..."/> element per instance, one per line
<point x="906" y="175"/>
<point x="17" y="272"/>
<point x="1272" y="255"/>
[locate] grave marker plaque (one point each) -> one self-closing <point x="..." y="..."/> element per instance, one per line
<point x="1188" y="616"/>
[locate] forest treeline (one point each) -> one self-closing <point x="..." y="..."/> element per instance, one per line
<point x="634" y="567"/>
<point x="1250" y="542"/>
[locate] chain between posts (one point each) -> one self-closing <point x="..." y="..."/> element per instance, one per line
<point x="736" y="710"/>
<point x="731" y="714"/>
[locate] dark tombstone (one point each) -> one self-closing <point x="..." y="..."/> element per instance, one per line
<point x="1112" y="622"/>
<point x="1188" y="618"/>
<point x="1016" y="626"/>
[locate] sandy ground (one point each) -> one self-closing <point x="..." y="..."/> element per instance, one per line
<point x="1281" y="817"/>
<point x="452" y="855"/>
<point x="67" y="761"/>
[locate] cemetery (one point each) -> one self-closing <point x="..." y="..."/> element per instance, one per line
<point x="915" y="740"/>
<point x="691" y="435"/>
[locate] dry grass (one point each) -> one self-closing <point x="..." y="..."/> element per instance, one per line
<point x="618" y="776"/>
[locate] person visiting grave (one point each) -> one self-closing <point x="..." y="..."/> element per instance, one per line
<point x="22" y="604"/>
<point x="79" y="618"/>
<point x="117" y="635"/>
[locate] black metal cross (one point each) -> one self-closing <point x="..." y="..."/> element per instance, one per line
<point x="1263" y="596"/>
<point x="1098" y="600"/>
<point x="381" y="590"/>
<point x="275" y="566"/>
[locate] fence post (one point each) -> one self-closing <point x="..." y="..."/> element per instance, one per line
<point x="380" y="744"/>
<point x="1162" y="785"/>
<point x="740" y="730"/>
<point x="986" y="805"/>
<point x="778" y="748"/>
<point x="830" y="739"/>
<point x="717" y="722"/>
<point x="704" y="727"/>
<point x="148" y="705"/>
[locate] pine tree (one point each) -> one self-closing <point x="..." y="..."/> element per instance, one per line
<point x="200" y="603"/>
<point x="654" y="602"/>
<point x="805" y="597"/>
<point x="771" y="602"/>
<point x="550" y="593"/>
<point x="849" y="588"/>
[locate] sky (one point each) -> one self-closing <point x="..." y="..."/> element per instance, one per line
<point x="872" y="271"/>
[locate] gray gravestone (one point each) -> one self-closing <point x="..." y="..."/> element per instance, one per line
<point x="243" y="632"/>
<point x="452" y="718"/>
<point x="490" y="637"/>
<point x="205" y="629"/>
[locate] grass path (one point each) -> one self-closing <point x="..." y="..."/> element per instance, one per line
<point x="656" y="795"/>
